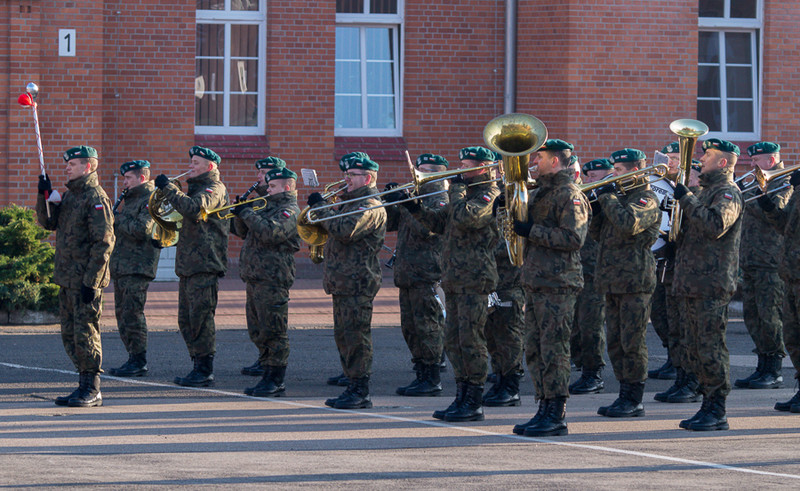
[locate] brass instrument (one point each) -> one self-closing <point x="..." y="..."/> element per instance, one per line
<point x="168" y="220"/>
<point x="314" y="235"/>
<point x="514" y="136"/>
<point x="205" y="214"/>
<point x="762" y="178"/>
<point x="629" y="181"/>
<point x="688" y="131"/>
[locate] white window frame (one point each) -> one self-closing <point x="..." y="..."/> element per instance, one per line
<point x="229" y="18"/>
<point x="367" y="20"/>
<point x="724" y="25"/>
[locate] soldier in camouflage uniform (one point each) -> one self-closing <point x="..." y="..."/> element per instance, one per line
<point x="201" y="258"/>
<point x="559" y="217"/>
<point x="588" y="342"/>
<point x="786" y="219"/>
<point x="469" y="275"/>
<point x="706" y="271"/>
<point x="762" y="287"/>
<point x="352" y="273"/>
<point x="626" y="227"/>
<point x="133" y="265"/>
<point x="416" y="273"/>
<point x="85" y="239"/>
<point x="266" y="264"/>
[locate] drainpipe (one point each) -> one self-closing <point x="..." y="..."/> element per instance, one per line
<point x="510" y="71"/>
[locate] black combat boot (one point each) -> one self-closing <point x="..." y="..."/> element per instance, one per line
<point x="744" y="383"/>
<point x="202" y="375"/>
<point x="401" y="391"/>
<point x="470" y="408"/>
<point x="713" y="418"/>
<point x="630" y="405"/>
<point x="771" y="377"/>
<point x="779" y="406"/>
<point x="270" y="385"/>
<point x="680" y="380"/>
<point x="89" y="391"/>
<point x="254" y="370"/>
<point x="460" y="390"/>
<point x="698" y="415"/>
<point x="430" y="383"/>
<point x="507" y="393"/>
<point x="688" y="392"/>
<point x="520" y="428"/>
<point x="64" y="400"/>
<point x="341" y="380"/>
<point x="355" y="396"/>
<point x="136" y="366"/>
<point x="553" y="422"/>
<point x="493" y="378"/>
<point x="590" y="382"/>
<point x="664" y="372"/>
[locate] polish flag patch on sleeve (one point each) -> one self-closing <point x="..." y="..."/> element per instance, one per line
<point x="209" y="190"/>
<point x="442" y="203"/>
<point x="576" y="201"/>
<point x="728" y="196"/>
<point x="287" y="213"/>
<point x="98" y="206"/>
<point x="487" y="198"/>
<point x="642" y="201"/>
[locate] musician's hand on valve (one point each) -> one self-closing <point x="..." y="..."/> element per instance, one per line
<point x="795" y="179"/>
<point x="390" y="185"/>
<point x="162" y="181"/>
<point x="315" y="198"/>
<point x="239" y="208"/>
<point x="395" y="196"/>
<point x="680" y="191"/>
<point x="606" y="189"/>
<point x="523" y="229"/>
<point x="457" y="179"/>
<point x="765" y="201"/>
<point x="666" y="204"/>
<point x="156" y="244"/>
<point x="499" y="202"/>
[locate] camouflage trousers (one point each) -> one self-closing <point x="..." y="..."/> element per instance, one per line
<point x="352" y="320"/>
<point x="548" y="321"/>
<point x="464" y="338"/>
<point x="267" y="313"/>
<point x="659" y="313"/>
<point x="80" y="329"/>
<point x="505" y="331"/>
<point x="421" y="320"/>
<point x="626" y="322"/>
<point x="703" y="321"/>
<point x="588" y="339"/>
<point x="791" y="323"/>
<point x="130" y="295"/>
<point x="762" y="307"/>
<point x="197" y="304"/>
<point x="676" y="345"/>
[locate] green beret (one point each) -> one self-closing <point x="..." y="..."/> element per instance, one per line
<point x="359" y="163"/>
<point x="573" y="159"/>
<point x="628" y="155"/>
<point x="279" y="173"/>
<point x="597" y="164"/>
<point x="432" y="159"/>
<point x="350" y="156"/>
<point x="205" y="153"/>
<point x="673" y="147"/>
<point x="476" y="153"/>
<point x="81" y="152"/>
<point x="556" y="145"/>
<point x="721" y="145"/>
<point x="270" y="163"/>
<point x="763" y="147"/>
<point x="133" y="164"/>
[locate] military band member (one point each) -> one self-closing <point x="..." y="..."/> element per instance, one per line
<point x="559" y="216"/>
<point x="352" y="273"/>
<point x="84" y="241"/>
<point x="706" y="272"/>
<point x="469" y="275"/>
<point x="134" y="263"/>
<point x="201" y="258"/>
<point x="416" y="274"/>
<point x="588" y="340"/>
<point x="266" y="264"/>
<point x="762" y="287"/>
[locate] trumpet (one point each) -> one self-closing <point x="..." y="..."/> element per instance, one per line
<point x="206" y="214"/>
<point x="168" y="220"/>
<point x="629" y="181"/>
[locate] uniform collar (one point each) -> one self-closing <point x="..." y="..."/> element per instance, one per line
<point x="83" y="182"/>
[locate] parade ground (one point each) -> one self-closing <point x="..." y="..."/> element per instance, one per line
<point x="151" y="433"/>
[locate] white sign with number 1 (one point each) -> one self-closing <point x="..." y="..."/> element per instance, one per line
<point x="66" y="42"/>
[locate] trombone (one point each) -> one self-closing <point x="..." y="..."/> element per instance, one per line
<point x="762" y="178"/>
<point x="629" y="181"/>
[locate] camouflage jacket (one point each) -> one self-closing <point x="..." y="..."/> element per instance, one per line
<point x="762" y="245"/>
<point x="133" y="253"/>
<point x="419" y="250"/>
<point x="466" y="224"/>
<point x="351" y="264"/>
<point x="589" y="258"/>
<point x="560" y="214"/>
<point x="203" y="245"/>
<point x="626" y="229"/>
<point x="786" y="219"/>
<point x="707" y="257"/>
<point x="85" y="233"/>
<point x="270" y="240"/>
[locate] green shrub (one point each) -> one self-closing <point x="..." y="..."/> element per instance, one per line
<point x="26" y="263"/>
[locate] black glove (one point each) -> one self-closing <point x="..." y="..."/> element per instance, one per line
<point x="156" y="244"/>
<point x="457" y="179"/>
<point x="764" y="201"/>
<point x="499" y="202"/>
<point x="44" y="185"/>
<point x="596" y="208"/>
<point x="395" y="196"/>
<point x="236" y="210"/>
<point x="680" y="191"/>
<point x="523" y="229"/>
<point x="390" y="185"/>
<point x="162" y="181"/>
<point x="411" y="205"/>
<point x="795" y="179"/>
<point x="666" y="204"/>
<point x="88" y="294"/>
<point x="741" y="184"/>
<point x="608" y="188"/>
<point x="315" y="198"/>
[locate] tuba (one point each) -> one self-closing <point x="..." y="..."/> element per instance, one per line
<point x="514" y="136"/>
<point x="168" y="220"/>
<point x="688" y="131"/>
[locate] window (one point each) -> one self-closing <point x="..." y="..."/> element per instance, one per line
<point x="367" y="94"/>
<point x="230" y="67"/>
<point x="728" y="71"/>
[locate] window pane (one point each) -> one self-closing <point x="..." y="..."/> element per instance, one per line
<point x="208" y="110"/>
<point x="738" y="47"/>
<point x="210" y="5"/>
<point x="708" y="47"/>
<point x="244" y="40"/>
<point x="244" y="76"/>
<point x="743" y="9"/>
<point x="708" y="81"/>
<point x="380" y="78"/>
<point x="244" y="110"/>
<point x="210" y="40"/>
<point x="247" y="5"/>
<point x="740" y="116"/>
<point x="383" y="6"/>
<point x="348" y="77"/>
<point x="380" y="111"/>
<point x="349" y="6"/>
<point x="709" y="113"/>
<point x="210" y="71"/>
<point x="348" y="111"/>
<point x="712" y="8"/>
<point x="347" y="45"/>
<point x="379" y="44"/>
<point x="740" y="82"/>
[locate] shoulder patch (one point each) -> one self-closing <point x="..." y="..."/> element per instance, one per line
<point x="642" y="201"/>
<point x="98" y="206"/>
<point x="287" y="213"/>
<point x="209" y="190"/>
<point x="576" y="201"/>
<point x="442" y="203"/>
<point x="728" y="196"/>
<point x="486" y="198"/>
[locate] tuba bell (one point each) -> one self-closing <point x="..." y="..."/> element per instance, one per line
<point x="688" y="131"/>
